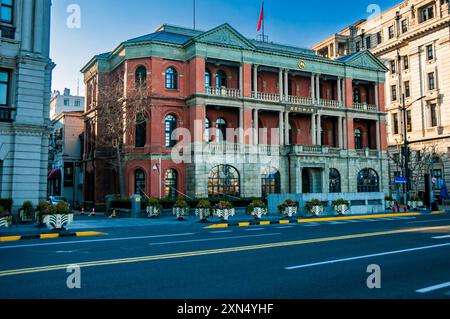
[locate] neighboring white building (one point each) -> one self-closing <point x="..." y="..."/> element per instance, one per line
<point x="25" y="87"/>
<point x="413" y="40"/>
<point x="65" y="155"/>
<point x="65" y="103"/>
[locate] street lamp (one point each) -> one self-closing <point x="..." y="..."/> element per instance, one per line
<point x="155" y="169"/>
<point x="404" y="108"/>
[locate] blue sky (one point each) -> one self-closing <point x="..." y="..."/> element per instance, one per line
<point x="106" y="23"/>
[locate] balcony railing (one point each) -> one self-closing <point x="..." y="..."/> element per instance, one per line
<point x="223" y="148"/>
<point x="300" y="100"/>
<point x="223" y="92"/>
<point x="366" y="152"/>
<point x="365" y="107"/>
<point x="7" y="114"/>
<point x="330" y="103"/>
<point x="269" y="149"/>
<point x="7" y="32"/>
<point x="272" y="97"/>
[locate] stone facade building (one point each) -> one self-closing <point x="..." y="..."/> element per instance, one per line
<point x="413" y="40"/>
<point x="25" y="86"/>
<point x="263" y="117"/>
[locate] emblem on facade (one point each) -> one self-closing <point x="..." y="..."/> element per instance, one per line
<point x="301" y="64"/>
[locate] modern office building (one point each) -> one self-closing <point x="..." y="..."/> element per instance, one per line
<point x="263" y="117"/>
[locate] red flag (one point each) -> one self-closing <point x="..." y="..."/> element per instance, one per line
<point x="261" y="17"/>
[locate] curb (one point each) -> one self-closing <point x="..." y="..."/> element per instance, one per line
<point x="50" y="236"/>
<point x="316" y="220"/>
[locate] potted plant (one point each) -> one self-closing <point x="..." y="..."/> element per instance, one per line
<point x="154" y="208"/>
<point x="315" y="207"/>
<point x="289" y="208"/>
<point x="203" y="210"/>
<point x="224" y="210"/>
<point x="26" y="212"/>
<point x="389" y="201"/>
<point x="56" y="216"/>
<point x="5" y="217"/>
<point x="180" y="209"/>
<point x="415" y="202"/>
<point x="341" y="206"/>
<point x="257" y="208"/>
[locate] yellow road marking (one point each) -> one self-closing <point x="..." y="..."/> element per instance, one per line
<point x="10" y="238"/>
<point x="49" y="236"/>
<point x="89" y="233"/>
<point x="357" y="217"/>
<point x="440" y="212"/>
<point x="244" y="224"/>
<point x="218" y="226"/>
<point x="284" y="222"/>
<point x="216" y="251"/>
<point x="264" y="223"/>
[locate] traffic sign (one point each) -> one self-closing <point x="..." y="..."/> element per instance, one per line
<point x="401" y="180"/>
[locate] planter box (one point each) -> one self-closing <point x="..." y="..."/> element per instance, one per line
<point x="290" y="211"/>
<point x="180" y="212"/>
<point x="153" y="211"/>
<point x="225" y="214"/>
<point x="415" y="204"/>
<point x="5" y="221"/>
<point x="203" y="213"/>
<point x="316" y="210"/>
<point x="58" y="221"/>
<point x="389" y="204"/>
<point x="341" y="209"/>
<point x="259" y="212"/>
<point x="23" y="216"/>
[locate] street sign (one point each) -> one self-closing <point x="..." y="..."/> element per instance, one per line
<point x="401" y="180"/>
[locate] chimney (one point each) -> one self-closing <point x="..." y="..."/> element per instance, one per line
<point x="66" y="92"/>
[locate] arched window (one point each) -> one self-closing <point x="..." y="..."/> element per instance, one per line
<point x="221" y="131"/>
<point x="139" y="182"/>
<point x="224" y="182"/>
<point x="335" y="181"/>
<point x="271" y="182"/>
<point x="170" y="124"/>
<point x="171" y="184"/>
<point x="207" y="78"/>
<point x="141" y="77"/>
<point x="356" y="96"/>
<point x="207" y="132"/>
<point x="368" y="181"/>
<point x="141" y="131"/>
<point x="358" y="139"/>
<point x="171" y="79"/>
<point x="221" y="79"/>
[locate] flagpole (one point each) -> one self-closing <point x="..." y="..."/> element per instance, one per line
<point x="194" y="12"/>
<point x="263" y="22"/>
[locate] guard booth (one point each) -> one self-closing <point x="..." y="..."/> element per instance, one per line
<point x="136" y="206"/>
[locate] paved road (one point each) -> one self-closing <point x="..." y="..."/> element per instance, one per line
<point x="316" y="260"/>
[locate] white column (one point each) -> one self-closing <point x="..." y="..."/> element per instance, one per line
<point x="255" y="80"/>
<point x="313" y="129"/>
<point x="241" y="126"/>
<point x="280" y="83"/>
<point x="313" y="88"/>
<point x="286" y="128"/>
<point x="281" y="128"/>
<point x="378" y="132"/>
<point x="319" y="130"/>
<point x="241" y="84"/>
<point x="38" y="25"/>
<point x="256" y="127"/>
<point x="286" y="85"/>
<point x="377" y="99"/>
<point x="318" y="88"/>
<point x="340" y="133"/>
<point x="339" y="89"/>
<point x="27" y="27"/>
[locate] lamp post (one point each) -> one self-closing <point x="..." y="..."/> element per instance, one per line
<point x="156" y="169"/>
<point x="404" y="108"/>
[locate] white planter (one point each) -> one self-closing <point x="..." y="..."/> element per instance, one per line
<point x="290" y="211"/>
<point x="58" y="221"/>
<point x="420" y="204"/>
<point x="317" y="210"/>
<point x="225" y="214"/>
<point x="389" y="204"/>
<point x="153" y="211"/>
<point x="24" y="218"/>
<point x="5" y="222"/>
<point x="341" y="209"/>
<point x="203" y="213"/>
<point x="180" y="212"/>
<point x="259" y="212"/>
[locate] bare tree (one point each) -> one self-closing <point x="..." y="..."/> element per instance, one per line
<point x="119" y="111"/>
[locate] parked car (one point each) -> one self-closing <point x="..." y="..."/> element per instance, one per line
<point x="54" y="200"/>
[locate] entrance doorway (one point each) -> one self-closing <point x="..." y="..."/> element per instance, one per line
<point x="306" y="181"/>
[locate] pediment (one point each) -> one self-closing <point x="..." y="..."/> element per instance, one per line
<point x="224" y="35"/>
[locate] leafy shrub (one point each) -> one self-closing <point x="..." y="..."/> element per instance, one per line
<point x="340" y="202"/>
<point x="314" y="202"/>
<point x="257" y="203"/>
<point x="287" y="203"/>
<point x="204" y="203"/>
<point x="153" y="202"/>
<point x="224" y="205"/>
<point x="181" y="203"/>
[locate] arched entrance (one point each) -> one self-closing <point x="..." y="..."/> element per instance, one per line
<point x="306" y="181"/>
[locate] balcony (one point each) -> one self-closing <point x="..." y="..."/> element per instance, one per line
<point x="7" y="114"/>
<point x="7" y="32"/>
<point x="300" y="100"/>
<point x="225" y="92"/>
<point x="365" y="107"/>
<point x="330" y="103"/>
<point x="271" y="97"/>
<point x="366" y="152"/>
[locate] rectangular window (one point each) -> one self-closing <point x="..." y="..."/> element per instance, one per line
<point x="404" y="26"/>
<point x="395" y="123"/>
<point x="358" y="46"/>
<point x="68" y="174"/>
<point x="393" y="68"/>
<point x="6" y="11"/>
<point x="66" y="102"/>
<point x="406" y="62"/>
<point x="379" y="37"/>
<point x="426" y="13"/>
<point x="77" y="103"/>
<point x="430" y="52"/>
<point x="394" y="93"/>
<point x="391" y="32"/>
<point x="433" y="116"/>
<point x="407" y="89"/>
<point x="409" y="121"/>
<point x="368" y="43"/>
<point x="431" y="81"/>
<point x="4" y="87"/>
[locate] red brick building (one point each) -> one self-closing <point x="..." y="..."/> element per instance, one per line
<point x="320" y="123"/>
